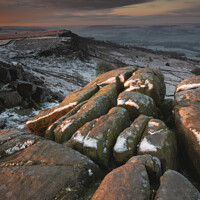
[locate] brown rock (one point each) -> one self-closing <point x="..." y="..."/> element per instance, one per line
<point x="127" y="182"/>
<point x="175" y="186"/>
<point x="187" y="119"/>
<point x="149" y="82"/>
<point x="34" y="168"/>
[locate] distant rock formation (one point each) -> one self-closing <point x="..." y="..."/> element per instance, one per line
<point x="19" y="87"/>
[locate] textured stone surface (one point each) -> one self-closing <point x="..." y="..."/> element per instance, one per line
<point x="97" y="138"/>
<point x="97" y="106"/>
<point x="175" y="186"/>
<point x="159" y="141"/>
<point x="187" y="119"/>
<point x="34" y="168"/>
<point x="149" y="82"/>
<point x="136" y="104"/>
<point x="127" y="182"/>
<point x="152" y="164"/>
<point x="126" y="143"/>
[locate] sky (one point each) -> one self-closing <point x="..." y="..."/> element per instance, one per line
<point x="98" y="12"/>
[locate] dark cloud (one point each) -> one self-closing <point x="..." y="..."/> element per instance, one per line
<point x="76" y="4"/>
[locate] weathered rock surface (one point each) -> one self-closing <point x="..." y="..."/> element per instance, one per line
<point x="159" y="141"/>
<point x="127" y="182"/>
<point x="34" y="168"/>
<point x="126" y="144"/>
<point x="97" y="138"/>
<point x="149" y="82"/>
<point x="45" y="118"/>
<point x="175" y="186"/>
<point x="152" y="164"/>
<point x="97" y="106"/>
<point x="136" y="104"/>
<point x="187" y="119"/>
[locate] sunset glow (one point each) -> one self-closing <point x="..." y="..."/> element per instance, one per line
<point x="87" y="12"/>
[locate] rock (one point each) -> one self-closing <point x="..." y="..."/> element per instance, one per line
<point x="26" y="89"/>
<point x="16" y="73"/>
<point x="127" y="182"/>
<point x="49" y="134"/>
<point x="97" y="106"/>
<point x="45" y="118"/>
<point x="34" y="168"/>
<point x="126" y="144"/>
<point x="96" y="139"/>
<point x="40" y="94"/>
<point x="10" y="99"/>
<point x="4" y="74"/>
<point x="152" y="164"/>
<point x="187" y="120"/>
<point x="149" y="82"/>
<point x="159" y="141"/>
<point x="175" y="186"/>
<point x="117" y="76"/>
<point x="136" y="104"/>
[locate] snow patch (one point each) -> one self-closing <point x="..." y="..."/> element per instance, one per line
<point x="66" y="124"/>
<point x="90" y="142"/>
<point x="187" y="86"/>
<point x="90" y="172"/>
<point x="19" y="147"/>
<point x="196" y="133"/>
<point x="120" y="102"/>
<point x="131" y="103"/>
<point x="121" y="145"/>
<point x="145" y="145"/>
<point x="79" y="137"/>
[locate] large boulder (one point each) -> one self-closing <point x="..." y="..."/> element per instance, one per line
<point x="127" y="182"/>
<point x="174" y="185"/>
<point x="96" y="139"/>
<point x="187" y="119"/>
<point x="34" y="168"/>
<point x="159" y="141"/>
<point x="136" y="104"/>
<point x="149" y="82"/>
<point x="97" y="106"/>
<point x="45" y="118"/>
<point x="126" y="144"/>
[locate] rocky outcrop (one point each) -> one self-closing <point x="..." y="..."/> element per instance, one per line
<point x="97" y="138"/>
<point x="45" y="118"/>
<point x="34" y="168"/>
<point x="18" y="86"/>
<point x="187" y="119"/>
<point x="89" y="121"/>
<point x="175" y="186"/>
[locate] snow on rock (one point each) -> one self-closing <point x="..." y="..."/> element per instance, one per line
<point x="19" y="146"/>
<point x="145" y="145"/>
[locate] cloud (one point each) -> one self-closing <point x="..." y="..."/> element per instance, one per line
<point x="73" y="4"/>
